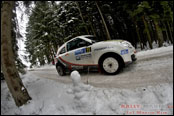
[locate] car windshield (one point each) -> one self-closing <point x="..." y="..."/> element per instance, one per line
<point x="93" y="39"/>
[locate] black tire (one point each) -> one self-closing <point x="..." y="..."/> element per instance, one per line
<point x="2" y="76"/>
<point x="117" y="61"/>
<point x="60" y="70"/>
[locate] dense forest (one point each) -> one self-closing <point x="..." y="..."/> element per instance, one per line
<point x="140" y="22"/>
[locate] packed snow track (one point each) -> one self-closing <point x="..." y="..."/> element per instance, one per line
<point x="151" y="68"/>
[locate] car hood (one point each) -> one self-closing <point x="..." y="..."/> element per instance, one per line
<point x="108" y="42"/>
<point x="119" y="40"/>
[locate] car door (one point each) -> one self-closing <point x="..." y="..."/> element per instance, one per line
<point x="78" y="52"/>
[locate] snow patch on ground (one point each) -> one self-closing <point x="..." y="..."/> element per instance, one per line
<point x="50" y="97"/>
<point x="46" y="66"/>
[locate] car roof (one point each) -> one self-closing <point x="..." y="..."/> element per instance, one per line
<point x="82" y="36"/>
<point x="86" y="36"/>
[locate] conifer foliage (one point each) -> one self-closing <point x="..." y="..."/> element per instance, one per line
<point x="140" y="22"/>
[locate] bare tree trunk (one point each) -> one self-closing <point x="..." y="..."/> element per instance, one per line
<point x="82" y="17"/>
<point x="148" y="33"/>
<point x="89" y="19"/>
<point x="159" y="33"/>
<point x="170" y="32"/>
<point x="138" y="34"/>
<point x="14" y="83"/>
<point x="166" y="31"/>
<point x="51" y="49"/>
<point x="106" y="28"/>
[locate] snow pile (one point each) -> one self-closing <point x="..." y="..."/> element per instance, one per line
<point x="48" y="97"/>
<point x="78" y="85"/>
<point x="81" y="93"/>
<point x="150" y="100"/>
<point x="51" y="97"/>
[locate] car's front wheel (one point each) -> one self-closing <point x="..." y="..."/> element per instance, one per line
<point x="2" y="76"/>
<point x="110" y="64"/>
<point x="60" y="70"/>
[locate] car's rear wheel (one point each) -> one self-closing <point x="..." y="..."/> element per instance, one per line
<point x="60" y="70"/>
<point x="111" y="64"/>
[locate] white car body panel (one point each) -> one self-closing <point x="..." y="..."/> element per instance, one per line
<point x="90" y="55"/>
<point x="72" y="58"/>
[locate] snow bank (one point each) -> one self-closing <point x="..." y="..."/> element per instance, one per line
<point x="81" y="93"/>
<point x="144" y="100"/>
<point x="46" y="66"/>
<point x="155" y="51"/>
<point x="50" y="97"/>
<point x="154" y="44"/>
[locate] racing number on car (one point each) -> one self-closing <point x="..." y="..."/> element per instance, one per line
<point x="88" y="49"/>
<point x="82" y="51"/>
<point x="81" y="54"/>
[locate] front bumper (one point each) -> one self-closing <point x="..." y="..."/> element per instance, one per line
<point x="133" y="57"/>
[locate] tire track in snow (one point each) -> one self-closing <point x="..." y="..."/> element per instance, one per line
<point x="152" y="70"/>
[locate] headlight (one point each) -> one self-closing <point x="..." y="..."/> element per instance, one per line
<point x="126" y="44"/>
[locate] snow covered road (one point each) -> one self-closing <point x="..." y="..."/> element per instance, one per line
<point x="142" y="88"/>
<point x="152" y="67"/>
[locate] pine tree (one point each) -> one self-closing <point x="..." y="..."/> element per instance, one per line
<point x="51" y="25"/>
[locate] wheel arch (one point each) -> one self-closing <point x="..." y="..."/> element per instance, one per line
<point x="59" y="64"/>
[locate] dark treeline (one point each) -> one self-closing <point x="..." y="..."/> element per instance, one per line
<point x="140" y="22"/>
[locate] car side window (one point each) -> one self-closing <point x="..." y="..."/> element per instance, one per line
<point x="62" y="50"/>
<point x="77" y="43"/>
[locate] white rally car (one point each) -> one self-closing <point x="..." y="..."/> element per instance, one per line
<point x="82" y="52"/>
